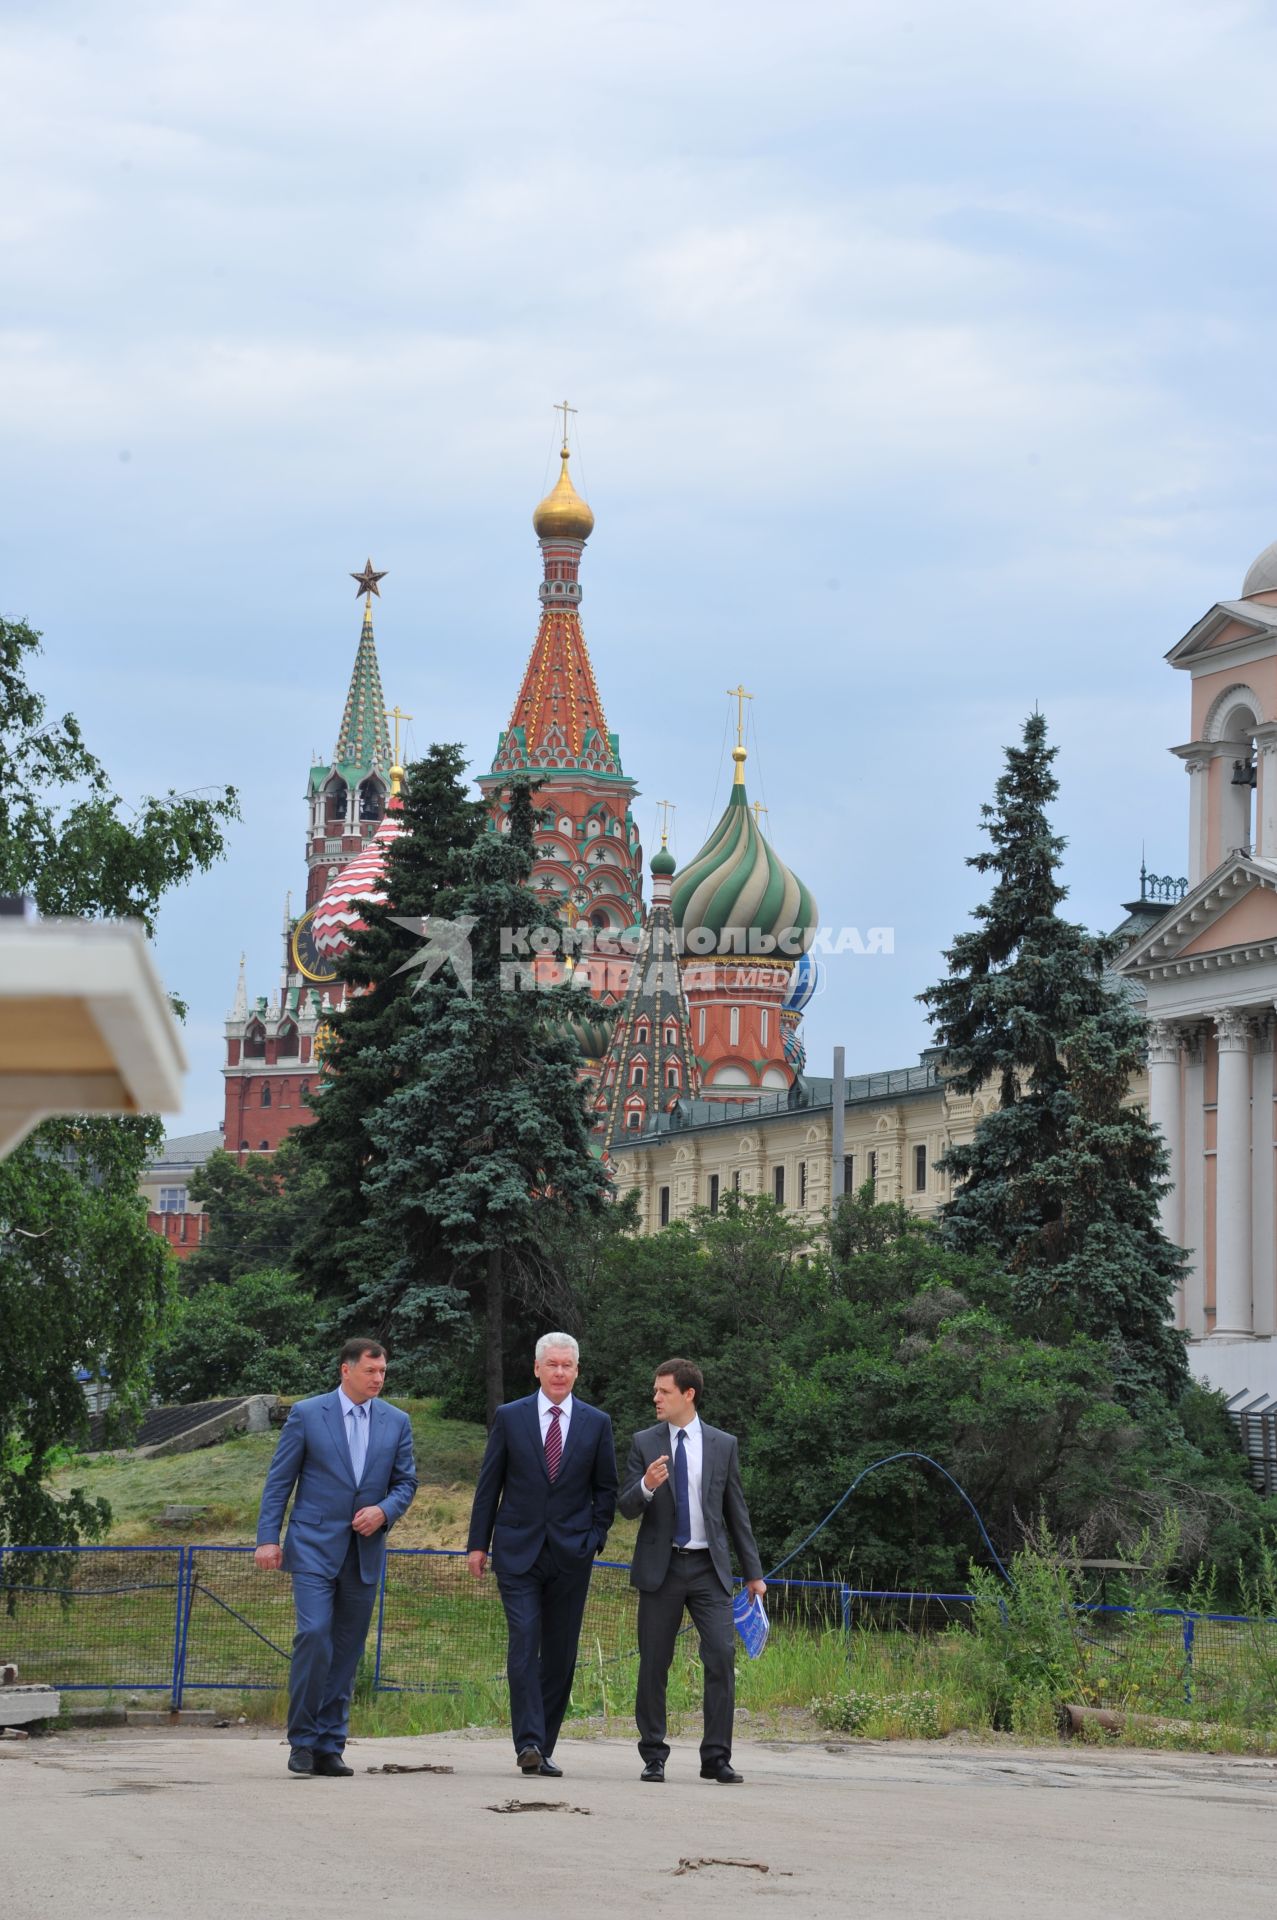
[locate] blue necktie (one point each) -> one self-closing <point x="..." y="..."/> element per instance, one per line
<point x="682" y="1505"/>
<point x="358" y="1418"/>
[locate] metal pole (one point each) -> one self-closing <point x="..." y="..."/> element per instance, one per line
<point x="839" y="1168"/>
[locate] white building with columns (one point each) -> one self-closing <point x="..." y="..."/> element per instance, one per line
<point x="1209" y="967"/>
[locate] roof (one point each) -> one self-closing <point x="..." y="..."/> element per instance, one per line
<point x="186" y="1150"/>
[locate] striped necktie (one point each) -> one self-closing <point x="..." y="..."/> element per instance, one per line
<point x="554" y="1444"/>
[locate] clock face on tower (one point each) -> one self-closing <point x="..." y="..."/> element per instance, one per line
<point x="307" y="958"/>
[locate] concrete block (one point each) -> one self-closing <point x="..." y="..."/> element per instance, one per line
<point x="19" y="1706"/>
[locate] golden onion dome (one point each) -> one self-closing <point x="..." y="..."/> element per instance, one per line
<point x="563" y="515"/>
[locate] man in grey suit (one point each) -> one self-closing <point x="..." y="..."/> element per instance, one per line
<point x="688" y="1513"/>
<point x="349" y="1457"/>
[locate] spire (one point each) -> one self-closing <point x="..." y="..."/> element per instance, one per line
<point x="650" y="1064"/>
<point x="239" y="1010"/>
<point x="364" y="739"/>
<point x="558" y="719"/>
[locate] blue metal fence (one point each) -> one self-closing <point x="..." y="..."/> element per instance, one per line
<point x="177" y="1620"/>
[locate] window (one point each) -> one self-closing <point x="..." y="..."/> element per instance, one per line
<point x="263" y="1146"/>
<point x="700" y="1028"/>
<point x="665" y="1206"/>
<point x="265" y="1093"/>
<point x="764" y="1025"/>
<point x="286" y="1046"/>
<point x="283" y="1093"/>
<point x="733" y="1027"/>
<point x="172" y="1200"/>
<point x="633" y="1121"/>
<point x="642" y="1034"/>
<point x="671" y="1034"/>
<point x="243" y="1146"/>
<point x="671" y="1074"/>
<point x="849" y="1173"/>
<point x="713" y="1193"/>
<point x="802" y="1183"/>
<point x="873" y="1171"/>
<point x="638" y="1074"/>
<point x="255" y="1043"/>
<point x="778" y="1185"/>
<point x="920" y="1169"/>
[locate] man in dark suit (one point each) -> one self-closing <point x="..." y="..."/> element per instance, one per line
<point x="349" y="1457"/>
<point x="544" y="1503"/>
<point x="688" y="1514"/>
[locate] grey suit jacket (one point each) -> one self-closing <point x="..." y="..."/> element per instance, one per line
<point x="722" y="1503"/>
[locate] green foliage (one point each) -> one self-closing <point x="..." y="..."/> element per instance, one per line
<point x="1062" y="1182"/>
<point x="257" y="1209"/>
<point x="337" y="1251"/>
<point x="825" y="1359"/>
<point x="486" y="1134"/>
<point x="83" y="1283"/>
<point x="258" y="1333"/>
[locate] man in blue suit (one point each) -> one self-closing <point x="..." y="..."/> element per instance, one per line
<point x="544" y="1503"/>
<point x="350" y="1460"/>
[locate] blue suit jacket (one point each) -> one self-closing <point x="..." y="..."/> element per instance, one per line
<point x="313" y="1456"/>
<point x="516" y="1511"/>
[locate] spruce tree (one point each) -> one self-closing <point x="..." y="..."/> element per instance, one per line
<point x="1061" y="1182"/>
<point x="336" y="1254"/>
<point x="487" y="1135"/>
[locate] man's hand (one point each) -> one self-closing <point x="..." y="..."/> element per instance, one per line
<point x="757" y="1587"/>
<point x="369" y="1520"/>
<point x="658" y="1473"/>
<point x="477" y="1561"/>
<point x="271" y="1558"/>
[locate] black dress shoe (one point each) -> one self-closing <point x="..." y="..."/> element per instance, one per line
<point x="301" y="1760"/>
<point x="723" y="1771"/>
<point x="551" y="1772"/>
<point x="333" y="1766"/>
<point x="654" y="1772"/>
<point x="530" y="1760"/>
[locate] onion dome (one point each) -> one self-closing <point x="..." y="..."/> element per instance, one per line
<point x="737" y="895"/>
<point x="663" y="864"/>
<point x="805" y="983"/>
<point x="563" y="515"/>
<point x="337" y="917"/>
<point x="1262" y="576"/>
<point x="793" y="1043"/>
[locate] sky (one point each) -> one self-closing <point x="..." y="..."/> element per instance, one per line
<point x="923" y="358"/>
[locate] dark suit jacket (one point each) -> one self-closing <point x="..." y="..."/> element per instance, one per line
<point x="516" y="1511"/>
<point x="722" y="1503"/>
<point x="313" y="1456"/>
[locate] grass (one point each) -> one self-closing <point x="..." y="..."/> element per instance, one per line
<point x="227" y="1481"/>
<point x="442" y="1635"/>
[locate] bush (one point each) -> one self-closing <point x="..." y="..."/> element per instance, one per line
<point x="260" y="1333"/>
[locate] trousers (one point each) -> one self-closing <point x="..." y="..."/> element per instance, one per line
<point x="333" y="1615"/>
<point x="691" y="1586"/>
<point x="543" y="1610"/>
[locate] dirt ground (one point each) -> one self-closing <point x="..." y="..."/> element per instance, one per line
<point x="186" y="1824"/>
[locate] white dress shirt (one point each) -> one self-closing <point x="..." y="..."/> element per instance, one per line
<point x="695" y="1452"/>
<point x="544" y="1408"/>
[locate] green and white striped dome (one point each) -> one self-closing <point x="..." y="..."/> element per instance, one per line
<point x="737" y="895"/>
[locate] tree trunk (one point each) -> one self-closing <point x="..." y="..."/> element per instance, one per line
<point x="493" y="1366"/>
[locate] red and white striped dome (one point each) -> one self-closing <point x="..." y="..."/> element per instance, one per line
<point x="337" y="917"/>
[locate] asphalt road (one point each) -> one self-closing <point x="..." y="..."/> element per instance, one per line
<point x="186" y="1826"/>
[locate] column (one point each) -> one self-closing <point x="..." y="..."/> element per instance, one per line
<point x="1194" y="1171"/>
<point x="1266" y="797"/>
<point x="1165" y="1110"/>
<point x="1263" y="1238"/>
<point x="1232" y="1175"/>
<point x="1198" y="776"/>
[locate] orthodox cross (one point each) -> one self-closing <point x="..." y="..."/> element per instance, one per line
<point x="739" y="695"/>
<point x="667" y="808"/>
<point x="565" y="410"/>
<point x="757" y="807"/>
<point x="397" y="714"/>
